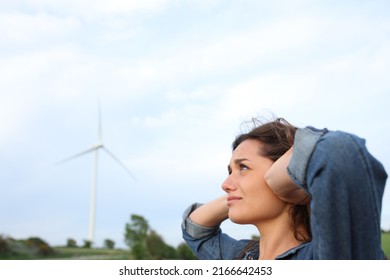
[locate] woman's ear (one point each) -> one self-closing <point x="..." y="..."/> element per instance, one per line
<point x="282" y="185"/>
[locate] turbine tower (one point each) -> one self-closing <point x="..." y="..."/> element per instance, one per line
<point x="95" y="149"/>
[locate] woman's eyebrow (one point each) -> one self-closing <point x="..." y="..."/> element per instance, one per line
<point x="236" y="162"/>
<point x="239" y="160"/>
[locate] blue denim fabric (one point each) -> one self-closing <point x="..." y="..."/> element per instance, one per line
<point x="209" y="243"/>
<point x="346" y="185"/>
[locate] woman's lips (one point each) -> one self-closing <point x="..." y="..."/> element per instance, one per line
<point x="231" y="199"/>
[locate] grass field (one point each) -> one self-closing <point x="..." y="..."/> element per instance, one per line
<point x="91" y="254"/>
<point x="63" y="253"/>
<point x="386" y="244"/>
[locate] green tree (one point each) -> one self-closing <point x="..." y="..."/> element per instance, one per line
<point x="87" y="244"/>
<point x="4" y="248"/>
<point x="39" y="246"/>
<point x="157" y="248"/>
<point x="109" y="244"/>
<point x="135" y="236"/>
<point x="184" y="252"/>
<point x="155" y="245"/>
<point x="255" y="237"/>
<point x="71" y="243"/>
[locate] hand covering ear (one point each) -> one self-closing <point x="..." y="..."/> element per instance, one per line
<point x="282" y="185"/>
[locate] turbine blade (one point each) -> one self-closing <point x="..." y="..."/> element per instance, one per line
<point x="78" y="155"/>
<point x="119" y="162"/>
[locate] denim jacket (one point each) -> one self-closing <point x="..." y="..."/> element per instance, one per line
<point x="346" y="185"/>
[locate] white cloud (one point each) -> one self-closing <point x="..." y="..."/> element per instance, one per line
<point x="13" y="113"/>
<point x="39" y="28"/>
<point x="265" y="95"/>
<point x="124" y="6"/>
<point x="91" y="8"/>
<point x="178" y="64"/>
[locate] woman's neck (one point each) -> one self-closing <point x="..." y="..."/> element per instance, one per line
<point x="276" y="237"/>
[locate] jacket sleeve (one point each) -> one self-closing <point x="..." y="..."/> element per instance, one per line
<point x="346" y="185"/>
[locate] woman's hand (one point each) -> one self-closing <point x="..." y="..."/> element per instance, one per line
<point x="281" y="184"/>
<point x="212" y="213"/>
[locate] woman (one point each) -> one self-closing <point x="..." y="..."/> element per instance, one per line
<point x="312" y="194"/>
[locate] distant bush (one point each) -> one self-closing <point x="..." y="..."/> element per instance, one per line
<point x="39" y="246"/>
<point x="3" y="245"/>
<point x="87" y="244"/>
<point x="32" y="247"/>
<point x="109" y="244"/>
<point x="71" y="243"/>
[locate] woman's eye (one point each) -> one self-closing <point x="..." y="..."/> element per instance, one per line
<point x="243" y="167"/>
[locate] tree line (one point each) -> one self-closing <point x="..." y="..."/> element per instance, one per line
<point x="143" y="242"/>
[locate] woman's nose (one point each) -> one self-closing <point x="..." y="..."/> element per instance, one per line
<point x="228" y="185"/>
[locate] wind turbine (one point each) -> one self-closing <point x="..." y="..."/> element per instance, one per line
<point x="95" y="149"/>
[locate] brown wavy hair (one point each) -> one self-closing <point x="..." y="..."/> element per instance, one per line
<point x="277" y="137"/>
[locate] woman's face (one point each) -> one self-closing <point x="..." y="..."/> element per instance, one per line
<point x="249" y="198"/>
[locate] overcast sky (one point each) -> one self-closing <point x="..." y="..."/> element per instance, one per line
<point x="175" y="80"/>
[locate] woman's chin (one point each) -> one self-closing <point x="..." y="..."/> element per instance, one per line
<point x="236" y="218"/>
